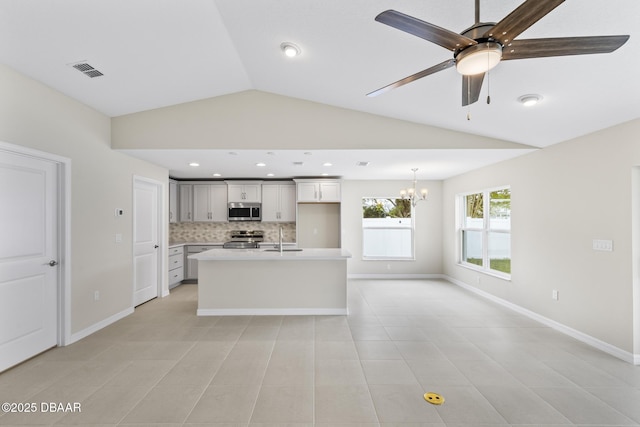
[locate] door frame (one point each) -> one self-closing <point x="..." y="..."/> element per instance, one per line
<point x="163" y="218"/>
<point x="63" y="229"/>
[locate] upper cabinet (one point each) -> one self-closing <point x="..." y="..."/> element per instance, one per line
<point x="185" y="192"/>
<point x="209" y="202"/>
<point x="279" y="202"/>
<point x="318" y="191"/>
<point x="173" y="201"/>
<point x="244" y="191"/>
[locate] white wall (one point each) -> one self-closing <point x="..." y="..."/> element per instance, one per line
<point x="35" y="116"/>
<point x="428" y="231"/>
<point x="563" y="197"/>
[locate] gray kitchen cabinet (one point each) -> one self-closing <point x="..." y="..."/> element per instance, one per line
<point x="176" y="266"/>
<point x="249" y="192"/>
<point x="279" y="202"/>
<point x="209" y="202"/>
<point x="185" y="197"/>
<point x="318" y="191"/>
<point x="192" y="264"/>
<point x="173" y="201"/>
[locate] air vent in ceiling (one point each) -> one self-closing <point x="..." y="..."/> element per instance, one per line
<point x="362" y="164"/>
<point x="298" y="163"/>
<point x="87" y="69"/>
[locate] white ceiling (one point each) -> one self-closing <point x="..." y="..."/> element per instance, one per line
<point x="156" y="53"/>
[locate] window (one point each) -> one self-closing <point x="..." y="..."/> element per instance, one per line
<point x="485" y="230"/>
<point x="387" y="228"/>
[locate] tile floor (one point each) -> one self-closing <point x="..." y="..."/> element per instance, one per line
<point x="164" y="366"/>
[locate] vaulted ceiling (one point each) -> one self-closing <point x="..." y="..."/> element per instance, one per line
<point x="157" y="53"/>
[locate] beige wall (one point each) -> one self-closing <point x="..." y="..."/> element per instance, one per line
<point x="35" y="116"/>
<point x="563" y="197"/>
<point x="428" y="231"/>
<point x="255" y="120"/>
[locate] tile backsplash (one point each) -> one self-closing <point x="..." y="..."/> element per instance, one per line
<point x="220" y="232"/>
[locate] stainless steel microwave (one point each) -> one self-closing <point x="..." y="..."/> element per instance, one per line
<point x="244" y="211"/>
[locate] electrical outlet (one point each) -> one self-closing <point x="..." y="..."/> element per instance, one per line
<point x="554" y="294"/>
<point x="96" y="296"/>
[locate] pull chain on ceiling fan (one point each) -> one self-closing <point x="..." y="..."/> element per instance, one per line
<point x="482" y="46"/>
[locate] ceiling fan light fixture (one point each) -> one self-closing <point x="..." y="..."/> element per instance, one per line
<point x="290" y="50"/>
<point x="478" y="58"/>
<point x="530" y="100"/>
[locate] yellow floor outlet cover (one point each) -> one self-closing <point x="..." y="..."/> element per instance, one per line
<point x="434" y="398"/>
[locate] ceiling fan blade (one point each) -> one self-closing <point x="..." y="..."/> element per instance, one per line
<point x="442" y="66"/>
<point x="433" y="33"/>
<point x="471" y="86"/>
<point x="524" y="16"/>
<point x="562" y="46"/>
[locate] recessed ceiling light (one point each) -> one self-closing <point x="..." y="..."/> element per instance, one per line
<point x="325" y="174"/>
<point x="194" y="164"/>
<point x="261" y="165"/>
<point x="217" y="174"/>
<point x="290" y="49"/>
<point x="530" y="100"/>
<point x="270" y="174"/>
<point x="327" y="164"/>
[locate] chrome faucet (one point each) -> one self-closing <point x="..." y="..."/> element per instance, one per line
<point x="280" y="240"/>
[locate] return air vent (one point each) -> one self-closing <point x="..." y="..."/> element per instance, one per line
<point x="87" y="69"/>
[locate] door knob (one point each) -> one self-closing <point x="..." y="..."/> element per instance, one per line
<point x="53" y="263"/>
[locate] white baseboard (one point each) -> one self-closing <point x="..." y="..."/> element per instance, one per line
<point x="273" y="312"/>
<point x="97" y="326"/>
<point x="580" y="336"/>
<point x="391" y="276"/>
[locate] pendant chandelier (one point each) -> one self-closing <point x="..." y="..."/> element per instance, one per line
<point x="412" y="194"/>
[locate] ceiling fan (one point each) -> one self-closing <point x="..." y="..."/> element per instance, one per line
<point x="482" y="46"/>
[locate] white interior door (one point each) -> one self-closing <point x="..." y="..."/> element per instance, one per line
<point x="28" y="257"/>
<point x="145" y="241"/>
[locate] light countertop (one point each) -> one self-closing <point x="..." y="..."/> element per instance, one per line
<point x="263" y="255"/>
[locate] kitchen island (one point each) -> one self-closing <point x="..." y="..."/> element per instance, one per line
<point x="269" y="282"/>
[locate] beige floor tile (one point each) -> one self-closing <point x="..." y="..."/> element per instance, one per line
<point x="402" y="404"/>
<point x="225" y="404"/>
<point x="151" y="369"/>
<point x="344" y="404"/>
<point x="377" y="350"/>
<point x="519" y="405"/>
<point x="245" y="371"/>
<point x="338" y="372"/>
<point x="388" y="372"/>
<point x="292" y="404"/>
<point x="197" y="373"/>
<point x="107" y="405"/>
<point x="288" y="370"/>
<point x="146" y="373"/>
<point x="465" y="405"/>
<point x="168" y="404"/>
<point x="335" y="350"/>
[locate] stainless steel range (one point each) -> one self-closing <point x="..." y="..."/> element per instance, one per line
<point x="244" y="239"/>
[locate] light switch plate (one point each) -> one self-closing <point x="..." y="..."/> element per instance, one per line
<point x="602" y="245"/>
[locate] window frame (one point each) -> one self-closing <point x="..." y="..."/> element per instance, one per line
<point x="485" y="231"/>
<point x="412" y="257"/>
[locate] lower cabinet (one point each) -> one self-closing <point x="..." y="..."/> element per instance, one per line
<point x="176" y="266"/>
<point x="192" y="264"/>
